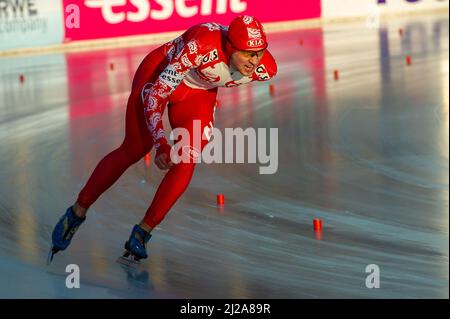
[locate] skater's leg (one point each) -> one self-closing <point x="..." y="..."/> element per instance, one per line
<point x="185" y="106"/>
<point x="136" y="144"/>
<point x="171" y="188"/>
<point x="182" y="114"/>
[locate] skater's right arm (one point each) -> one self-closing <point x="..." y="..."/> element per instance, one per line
<point x="185" y="53"/>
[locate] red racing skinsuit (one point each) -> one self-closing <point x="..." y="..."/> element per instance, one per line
<point x="183" y="74"/>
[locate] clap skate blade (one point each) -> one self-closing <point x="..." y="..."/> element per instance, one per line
<point x="129" y="259"/>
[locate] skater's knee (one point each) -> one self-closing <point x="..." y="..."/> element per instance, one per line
<point x="183" y="169"/>
<point x="132" y="153"/>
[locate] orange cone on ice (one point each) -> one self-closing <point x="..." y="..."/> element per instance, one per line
<point x="336" y="75"/>
<point x="408" y="60"/>
<point x="317" y="224"/>
<point x="147" y="159"/>
<point x="220" y="200"/>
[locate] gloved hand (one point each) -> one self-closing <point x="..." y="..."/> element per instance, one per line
<point x="162" y="157"/>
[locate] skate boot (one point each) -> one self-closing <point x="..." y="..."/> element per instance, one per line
<point x="63" y="232"/>
<point x="135" y="246"/>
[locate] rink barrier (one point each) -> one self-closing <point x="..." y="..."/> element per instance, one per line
<point x="139" y="40"/>
<point x="101" y="19"/>
<point x="32" y="23"/>
<point x="155" y="39"/>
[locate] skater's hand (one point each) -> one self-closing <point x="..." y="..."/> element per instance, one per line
<point x="162" y="157"/>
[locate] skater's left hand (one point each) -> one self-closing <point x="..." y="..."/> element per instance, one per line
<point x="162" y="157"/>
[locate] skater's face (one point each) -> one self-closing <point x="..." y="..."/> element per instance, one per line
<point x="246" y="61"/>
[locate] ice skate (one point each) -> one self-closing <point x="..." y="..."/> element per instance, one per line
<point x="63" y="232"/>
<point x="135" y="247"/>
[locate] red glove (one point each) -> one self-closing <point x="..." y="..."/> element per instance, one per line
<point x="162" y="157"/>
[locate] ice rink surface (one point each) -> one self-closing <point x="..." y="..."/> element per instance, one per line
<point x="368" y="154"/>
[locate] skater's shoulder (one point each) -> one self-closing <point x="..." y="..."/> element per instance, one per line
<point x="207" y="35"/>
<point x="267" y="68"/>
<point x="269" y="61"/>
<point x="211" y="29"/>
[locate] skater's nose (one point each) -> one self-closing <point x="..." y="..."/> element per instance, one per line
<point x="254" y="60"/>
